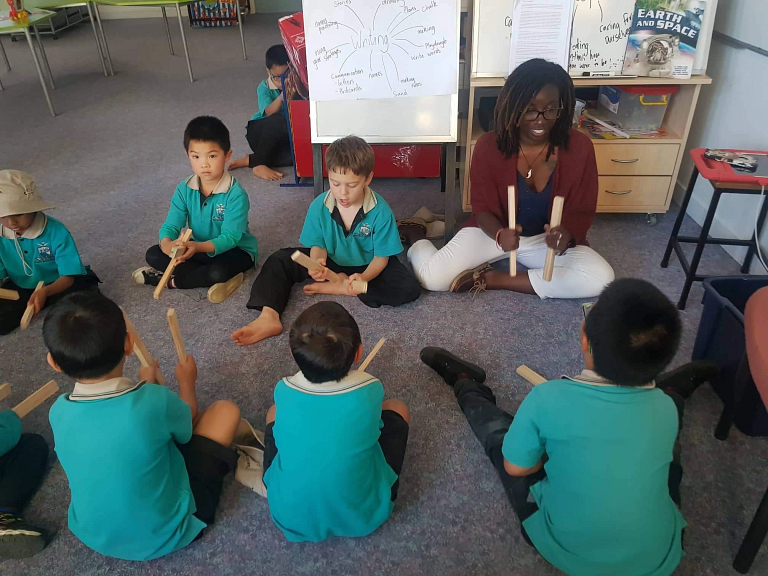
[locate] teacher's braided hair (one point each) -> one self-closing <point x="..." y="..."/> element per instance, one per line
<point x="520" y="88"/>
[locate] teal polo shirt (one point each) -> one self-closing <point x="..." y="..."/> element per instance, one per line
<point x="221" y="218"/>
<point x="265" y="96"/>
<point x="46" y="251"/>
<point x="604" y="506"/>
<point x="329" y="477"/>
<point x="116" y="441"/>
<point x="10" y="431"/>
<point x="373" y="232"/>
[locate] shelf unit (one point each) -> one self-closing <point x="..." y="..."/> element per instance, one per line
<point x="635" y="175"/>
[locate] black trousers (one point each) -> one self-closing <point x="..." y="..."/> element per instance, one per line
<point x="21" y="471"/>
<point x="11" y="311"/>
<point x="268" y="138"/>
<point x="490" y="424"/>
<point x="202" y="271"/>
<point x="396" y="285"/>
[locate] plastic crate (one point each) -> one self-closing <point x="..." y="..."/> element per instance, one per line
<point x="636" y="107"/>
<point x="720" y="339"/>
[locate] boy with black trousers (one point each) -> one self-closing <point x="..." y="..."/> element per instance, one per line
<point x="214" y="205"/>
<point x="349" y="230"/>
<point x="145" y="466"/>
<point x="590" y="463"/>
<point x="267" y="130"/>
<point x="333" y="447"/>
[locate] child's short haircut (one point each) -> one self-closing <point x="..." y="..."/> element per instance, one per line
<point x="324" y="340"/>
<point x="276" y="56"/>
<point x="85" y="334"/>
<point x="207" y="129"/>
<point x="350" y="153"/>
<point x="634" y="331"/>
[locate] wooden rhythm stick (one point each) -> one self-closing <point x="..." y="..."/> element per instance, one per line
<point x="557" y="216"/>
<point x="35" y="399"/>
<point x="373" y="353"/>
<point x="178" y="341"/>
<point x="512" y="226"/>
<point x="8" y="294"/>
<point x="312" y="264"/>
<point x="185" y="236"/>
<point x="5" y="391"/>
<point x="140" y="349"/>
<point x="532" y="377"/>
<point x="30" y="311"/>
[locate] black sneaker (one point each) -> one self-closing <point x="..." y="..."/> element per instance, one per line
<point x="450" y="366"/>
<point x="147" y="275"/>
<point x="685" y="379"/>
<point x="18" y="539"/>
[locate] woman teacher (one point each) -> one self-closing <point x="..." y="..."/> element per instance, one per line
<point x="533" y="149"/>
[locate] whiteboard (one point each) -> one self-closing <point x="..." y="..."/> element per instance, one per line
<point x="744" y="20"/>
<point x="599" y="37"/>
<point x="705" y="37"/>
<point x="381" y="48"/>
<point x="491" y="36"/>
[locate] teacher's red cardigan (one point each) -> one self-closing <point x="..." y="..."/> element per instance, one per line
<point x="575" y="179"/>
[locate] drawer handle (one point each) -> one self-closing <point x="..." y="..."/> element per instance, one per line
<point x="625" y="161"/>
<point x="619" y="192"/>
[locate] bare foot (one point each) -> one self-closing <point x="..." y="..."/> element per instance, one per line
<point x="266" y="173"/>
<point x="265" y="326"/>
<point x="239" y="163"/>
<point x="340" y="288"/>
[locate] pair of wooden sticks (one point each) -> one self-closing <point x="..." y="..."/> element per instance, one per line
<point x="185" y="236"/>
<point x="30" y="311"/>
<point x="141" y="351"/>
<point x="312" y="264"/>
<point x="557" y="216"/>
<point x="33" y="400"/>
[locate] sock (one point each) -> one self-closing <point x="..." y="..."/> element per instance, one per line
<point x="452" y="377"/>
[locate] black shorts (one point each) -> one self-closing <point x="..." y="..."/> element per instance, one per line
<point x="207" y="462"/>
<point x="393" y="441"/>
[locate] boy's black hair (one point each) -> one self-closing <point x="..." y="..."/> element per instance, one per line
<point x="207" y="129"/>
<point x="324" y="340"/>
<point x="634" y="331"/>
<point x="276" y="56"/>
<point x="85" y="334"/>
<point x="520" y="88"/>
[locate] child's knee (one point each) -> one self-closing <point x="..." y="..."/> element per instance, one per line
<point x="224" y="411"/>
<point x="271" y="414"/>
<point x="399" y="407"/>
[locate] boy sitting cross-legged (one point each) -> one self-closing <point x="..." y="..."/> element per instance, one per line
<point x="145" y="467"/>
<point x="333" y="448"/>
<point x="590" y="463"/>
<point x="351" y="232"/>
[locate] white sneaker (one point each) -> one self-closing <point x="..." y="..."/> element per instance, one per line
<point x="223" y="290"/>
<point x="147" y="275"/>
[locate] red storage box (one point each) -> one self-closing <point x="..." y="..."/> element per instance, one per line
<point x="292" y="32"/>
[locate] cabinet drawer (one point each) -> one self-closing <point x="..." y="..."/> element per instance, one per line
<point x="632" y="190"/>
<point x="640" y="159"/>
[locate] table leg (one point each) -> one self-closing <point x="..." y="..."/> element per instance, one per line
<point x="690" y="277"/>
<point x="451" y="198"/>
<point x="317" y="168"/>
<point x="680" y="217"/>
<point x="167" y="29"/>
<point x="92" y="18"/>
<point x="39" y="71"/>
<point x="755" y="237"/>
<point x="240" y="25"/>
<point x="5" y="57"/>
<point x="103" y="39"/>
<point x="184" y="42"/>
<point x="44" y="57"/>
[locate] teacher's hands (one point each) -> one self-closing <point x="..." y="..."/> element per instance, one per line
<point x="509" y="239"/>
<point x="558" y="238"/>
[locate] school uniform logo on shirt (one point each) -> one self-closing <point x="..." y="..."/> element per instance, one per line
<point x="219" y="215"/>
<point x="364" y="231"/>
<point x="44" y="253"/>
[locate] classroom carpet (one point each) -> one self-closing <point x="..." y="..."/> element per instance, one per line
<point x="111" y="160"/>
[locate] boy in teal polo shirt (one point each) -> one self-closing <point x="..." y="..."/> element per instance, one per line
<point x="145" y="466"/>
<point x="333" y="447"/>
<point x="34" y="248"/>
<point x="590" y="464"/>
<point x="215" y="207"/>
<point x="350" y="230"/>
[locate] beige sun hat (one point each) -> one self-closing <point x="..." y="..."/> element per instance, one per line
<point x="18" y="194"/>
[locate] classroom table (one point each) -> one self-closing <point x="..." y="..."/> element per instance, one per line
<point x="8" y="26"/>
<point x="162" y="4"/>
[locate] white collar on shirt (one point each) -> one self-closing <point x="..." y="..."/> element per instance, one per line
<point x="352" y="381"/>
<point x="224" y="185"/>
<point x="594" y="379"/>
<point x="369" y="201"/>
<point x="37" y="227"/>
<point x="108" y="389"/>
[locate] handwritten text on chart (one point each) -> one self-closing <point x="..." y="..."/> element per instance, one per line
<point x="599" y="35"/>
<point x="391" y="48"/>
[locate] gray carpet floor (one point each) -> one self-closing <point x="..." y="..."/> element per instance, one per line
<point x="111" y="160"/>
